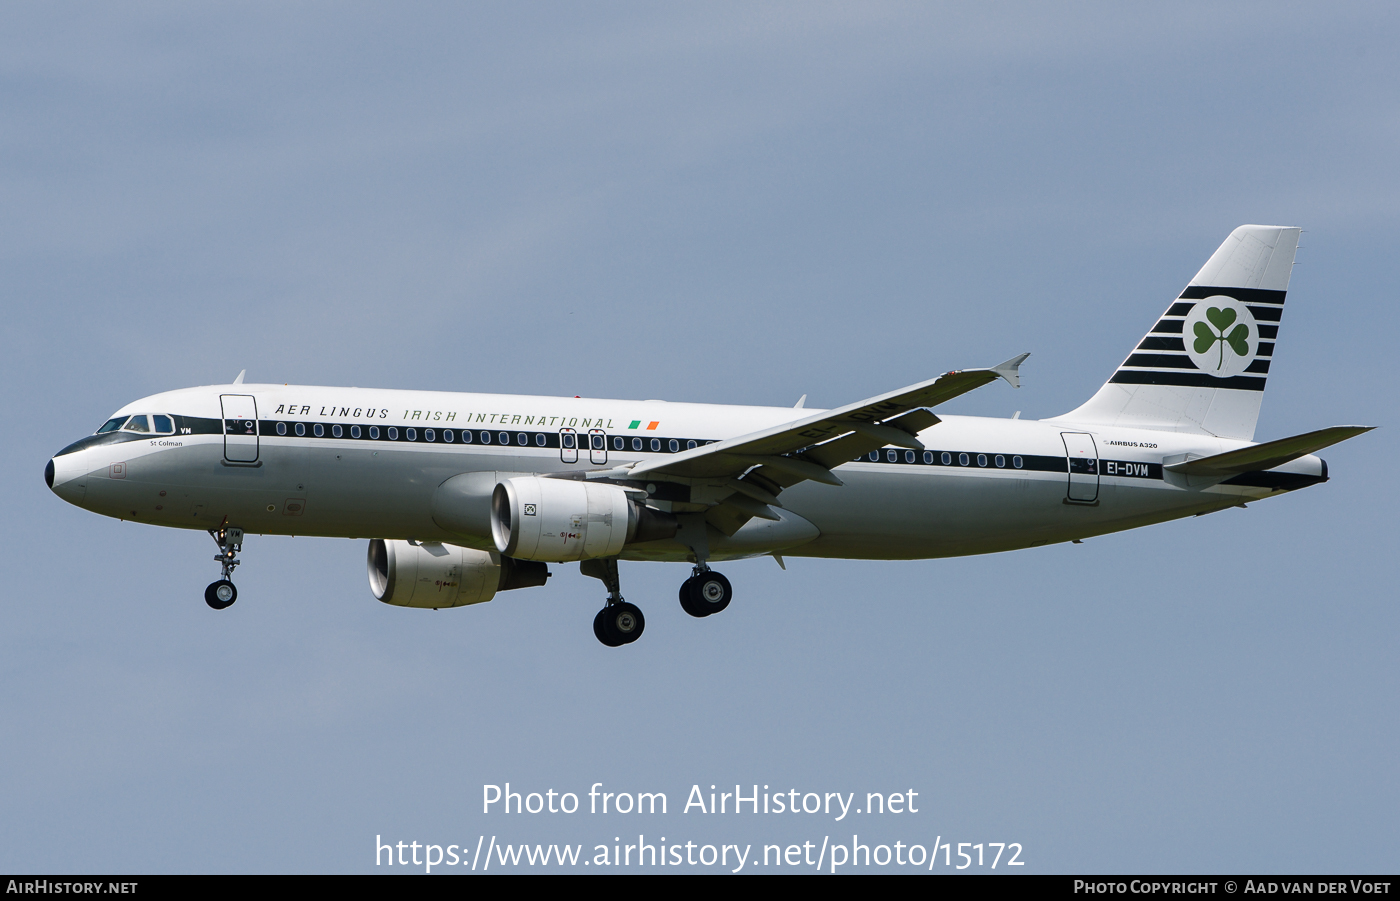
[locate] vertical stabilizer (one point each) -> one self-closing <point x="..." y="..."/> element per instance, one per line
<point x="1203" y="366"/>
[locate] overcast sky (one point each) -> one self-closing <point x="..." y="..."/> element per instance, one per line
<point x="713" y="203"/>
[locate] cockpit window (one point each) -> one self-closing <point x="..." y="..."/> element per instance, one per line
<point x="164" y="424"/>
<point x="137" y="423"/>
<point x="111" y="425"/>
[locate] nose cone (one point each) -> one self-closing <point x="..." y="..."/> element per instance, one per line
<point x="66" y="476"/>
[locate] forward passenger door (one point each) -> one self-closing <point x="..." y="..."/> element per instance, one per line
<point x="240" y="427"/>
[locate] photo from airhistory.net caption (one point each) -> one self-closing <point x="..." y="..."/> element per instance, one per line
<point x="681" y="833"/>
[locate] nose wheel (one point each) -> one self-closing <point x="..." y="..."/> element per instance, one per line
<point x="222" y="594"/>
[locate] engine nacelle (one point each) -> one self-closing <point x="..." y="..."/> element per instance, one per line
<point x="462" y="504"/>
<point x="562" y="520"/>
<point x="444" y="575"/>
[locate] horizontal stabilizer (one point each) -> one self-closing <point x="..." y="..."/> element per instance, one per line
<point x="1267" y="455"/>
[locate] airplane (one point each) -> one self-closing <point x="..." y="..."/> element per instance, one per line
<point x="463" y="495"/>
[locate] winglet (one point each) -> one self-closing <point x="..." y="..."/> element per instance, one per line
<point x="241" y="373"/>
<point x="1010" y="370"/>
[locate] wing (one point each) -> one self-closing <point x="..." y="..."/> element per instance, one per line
<point x="750" y="470"/>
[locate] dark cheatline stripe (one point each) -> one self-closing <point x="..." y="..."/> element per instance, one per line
<point x="198" y="425"/>
<point x="1258" y="366"/>
<point x="1179" y="309"/>
<point x="184" y="425"/>
<point x="1169" y="327"/>
<point x="1244" y="295"/>
<point x="1268" y="331"/>
<point x="1161" y="361"/>
<point x="105" y="438"/>
<point x="1266" y="314"/>
<point x="934" y="459"/>
<point x="1187" y="379"/>
<point x="1266" y="348"/>
<point x="1150" y="343"/>
<point x="1131" y="469"/>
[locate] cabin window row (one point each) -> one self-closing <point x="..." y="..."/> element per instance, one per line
<point x="941" y="458"/>
<point x="597" y="441"/>
<point x="566" y="439"/>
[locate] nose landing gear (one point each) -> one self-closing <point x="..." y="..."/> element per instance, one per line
<point x="222" y="594"/>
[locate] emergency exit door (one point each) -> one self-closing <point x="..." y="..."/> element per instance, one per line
<point x="1083" y="464"/>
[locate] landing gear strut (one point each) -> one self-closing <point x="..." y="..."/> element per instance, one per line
<point x="619" y="622"/>
<point x="705" y="592"/>
<point x="222" y="593"/>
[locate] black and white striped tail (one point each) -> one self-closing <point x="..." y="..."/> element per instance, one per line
<point x="1203" y="366"/>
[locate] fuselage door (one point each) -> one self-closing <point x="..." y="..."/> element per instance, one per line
<point x="568" y="445"/>
<point x="240" y="427"/>
<point x="597" y="447"/>
<point x="1083" y="460"/>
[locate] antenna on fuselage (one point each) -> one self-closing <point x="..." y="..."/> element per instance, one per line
<point x="800" y="401"/>
<point x="241" y="373"/>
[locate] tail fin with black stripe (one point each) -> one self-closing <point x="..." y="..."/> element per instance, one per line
<point x="1202" y="367"/>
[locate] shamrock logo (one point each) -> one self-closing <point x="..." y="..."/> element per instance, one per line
<point x="1222" y="319"/>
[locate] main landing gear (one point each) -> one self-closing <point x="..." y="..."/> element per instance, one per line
<point x="619" y="623"/>
<point x="222" y="593"/>
<point x="705" y="592"/>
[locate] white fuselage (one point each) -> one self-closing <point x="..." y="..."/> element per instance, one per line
<point x="1003" y="484"/>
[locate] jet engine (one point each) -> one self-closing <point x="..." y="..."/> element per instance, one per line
<point x="443" y="575"/>
<point x="561" y="520"/>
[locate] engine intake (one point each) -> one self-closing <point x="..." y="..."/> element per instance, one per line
<point x="444" y="575"/>
<point x="562" y="520"/>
